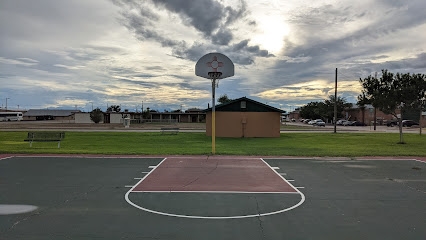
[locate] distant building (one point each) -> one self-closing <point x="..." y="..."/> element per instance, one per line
<point x="367" y="116"/>
<point x="244" y="117"/>
<point x="193" y="115"/>
<point x="50" y="114"/>
<point x="294" y="115"/>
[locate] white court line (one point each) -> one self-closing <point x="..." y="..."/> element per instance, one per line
<point x="144" y="178"/>
<point x="355" y="159"/>
<point x="285" y="180"/>
<point x="368" y="159"/>
<point x="211" y="192"/>
<point x="219" y="217"/>
<point x="275" y="168"/>
<point x="290" y="180"/>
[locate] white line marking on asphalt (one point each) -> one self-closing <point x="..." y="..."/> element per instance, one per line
<point x="126" y="197"/>
<point x="212" y="192"/>
<point x="152" y="166"/>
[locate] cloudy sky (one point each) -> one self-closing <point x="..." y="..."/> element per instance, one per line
<point x="69" y="53"/>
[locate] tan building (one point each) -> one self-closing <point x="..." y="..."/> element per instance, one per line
<point x="50" y="114"/>
<point x="245" y="117"/>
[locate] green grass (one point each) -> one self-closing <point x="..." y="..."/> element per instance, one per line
<point x="290" y="144"/>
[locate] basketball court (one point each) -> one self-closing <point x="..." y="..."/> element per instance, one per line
<point x="210" y="197"/>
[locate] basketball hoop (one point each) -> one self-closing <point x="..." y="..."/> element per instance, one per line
<point x="214" y="66"/>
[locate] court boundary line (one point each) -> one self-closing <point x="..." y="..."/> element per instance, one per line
<point x="348" y="159"/>
<point x="126" y="197"/>
<point x="211" y="192"/>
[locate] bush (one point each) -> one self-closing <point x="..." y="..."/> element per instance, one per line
<point x="96" y="115"/>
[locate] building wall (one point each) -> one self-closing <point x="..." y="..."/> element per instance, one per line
<point x="355" y="114"/>
<point x="116" y="118"/>
<point x="294" y="115"/>
<point x="245" y="124"/>
<point x="84" y="118"/>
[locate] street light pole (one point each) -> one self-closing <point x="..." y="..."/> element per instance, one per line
<point x="6" y="103"/>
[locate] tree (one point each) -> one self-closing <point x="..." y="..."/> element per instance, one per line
<point x="96" y="115"/>
<point x="361" y="102"/>
<point x="114" y="108"/>
<point x="341" y="105"/>
<point x="324" y="110"/>
<point x="393" y="92"/>
<point x="312" y="110"/>
<point x="224" y="99"/>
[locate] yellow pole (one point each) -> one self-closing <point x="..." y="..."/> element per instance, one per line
<point x="213" y="132"/>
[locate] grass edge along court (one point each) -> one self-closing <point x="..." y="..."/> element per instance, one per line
<point x="289" y="144"/>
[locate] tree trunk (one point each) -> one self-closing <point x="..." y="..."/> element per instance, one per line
<point x="420" y="120"/>
<point x="401" y="139"/>
<point x="375" y="118"/>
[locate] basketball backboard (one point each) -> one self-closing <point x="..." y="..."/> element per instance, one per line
<point x="214" y="62"/>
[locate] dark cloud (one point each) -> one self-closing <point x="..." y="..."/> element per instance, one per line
<point x="204" y="15"/>
<point x="222" y="37"/>
<point x="139" y="24"/>
<point x="209" y="17"/>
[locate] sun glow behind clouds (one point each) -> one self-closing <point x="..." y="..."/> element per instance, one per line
<point x="273" y="29"/>
<point x="317" y="89"/>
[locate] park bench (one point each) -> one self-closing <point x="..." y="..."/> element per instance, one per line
<point x="169" y="130"/>
<point x="45" y="137"/>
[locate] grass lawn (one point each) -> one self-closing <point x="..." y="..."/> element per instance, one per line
<point x="290" y="144"/>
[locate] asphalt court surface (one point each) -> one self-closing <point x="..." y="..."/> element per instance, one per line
<point x="84" y="198"/>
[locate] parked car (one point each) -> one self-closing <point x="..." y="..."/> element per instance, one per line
<point x="312" y="122"/>
<point x="392" y="123"/>
<point x="341" y="122"/>
<point x="408" y="123"/>
<point x="347" y="123"/>
<point x="358" y="123"/>
<point x="306" y="120"/>
<point x="319" y="123"/>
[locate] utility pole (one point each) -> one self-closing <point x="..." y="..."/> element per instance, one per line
<point x="6" y="103"/>
<point x="335" y="104"/>
<point x="375" y="109"/>
<point x="423" y="101"/>
<point x="420" y="120"/>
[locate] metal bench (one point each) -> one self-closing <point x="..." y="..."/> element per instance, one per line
<point x="169" y="130"/>
<point x="45" y="137"/>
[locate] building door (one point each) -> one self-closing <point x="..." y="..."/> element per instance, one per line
<point x="107" y="118"/>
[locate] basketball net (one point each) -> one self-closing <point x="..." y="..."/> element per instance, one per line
<point x="214" y="76"/>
